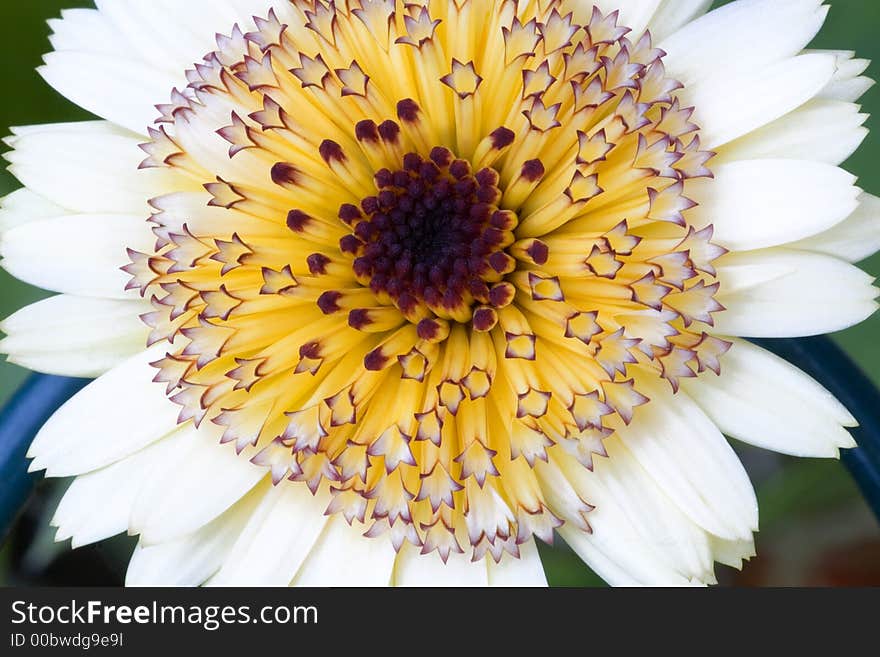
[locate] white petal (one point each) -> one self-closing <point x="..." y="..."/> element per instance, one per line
<point x="122" y="60"/>
<point x="618" y="563"/>
<point x="202" y="480"/>
<point x="75" y="336"/>
<point x="634" y="14"/>
<point x="822" y="130"/>
<point x="682" y="543"/>
<point x="77" y="254"/>
<point x="22" y="206"/>
<point x="414" y="569"/>
<point x="342" y="556"/>
<point x="801" y="294"/>
<point x="97" y="505"/>
<point x="732" y="553"/>
<point x="643" y="516"/>
<point x="192" y="559"/>
<point x="759" y="203"/>
<point x="277" y="539"/>
<point x="525" y="571"/>
<point x="88" y="167"/>
<point x="741" y="37"/>
<point x="763" y="400"/>
<point x="117" y="88"/>
<point x="689" y="459"/>
<point x="116" y="415"/>
<point x="728" y="106"/>
<point x="848" y="83"/>
<point x="672" y="15"/>
<point x="85" y="29"/>
<point x="617" y="556"/>
<point x="147" y="30"/>
<point x="853" y="239"/>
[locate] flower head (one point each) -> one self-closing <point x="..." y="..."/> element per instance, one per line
<point x="459" y="269"/>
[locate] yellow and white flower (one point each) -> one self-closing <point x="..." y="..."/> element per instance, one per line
<point x="391" y="289"/>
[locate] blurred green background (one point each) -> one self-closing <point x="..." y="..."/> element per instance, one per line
<point x="815" y="529"/>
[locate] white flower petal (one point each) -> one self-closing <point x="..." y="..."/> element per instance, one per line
<point x="689" y="459"/>
<point x="615" y="546"/>
<point x="192" y="559"/>
<point x="75" y="336"/>
<point x="728" y="106"/>
<point x="89" y="167"/>
<point x="95" y="428"/>
<point x="634" y="14"/>
<point x="853" y="239"/>
<point x="119" y="89"/>
<point x="848" y="83"/>
<point x="801" y="294"/>
<point x="121" y="60"/>
<point x="741" y="37"/>
<point x="414" y="569"/>
<point x="683" y="544"/>
<point x="77" y="254"/>
<point x="822" y="130"/>
<point x="765" y="401"/>
<point x="671" y="15"/>
<point x="525" y="571"/>
<point x="97" y="505"/>
<point x="171" y="45"/>
<point x="618" y="556"/>
<point x="276" y="540"/>
<point x="732" y="553"/>
<point x="22" y="206"/>
<point x="207" y="476"/>
<point x="759" y="203"/>
<point x="85" y="29"/>
<point x="342" y="556"/>
<point x="616" y="562"/>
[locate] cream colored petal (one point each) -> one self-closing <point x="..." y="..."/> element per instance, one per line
<point x="22" y="206"/>
<point x="790" y="293"/>
<point x="278" y="537"/>
<point x="75" y="336"/>
<point x="192" y="559"/>
<point x="76" y="254"/>
<point x="94" y="428"/>
<point x="853" y="239"/>
<point x="767" y="202"/>
<point x="741" y="37"/>
<point x="848" y="83"/>
<point x="643" y="512"/>
<point x="201" y="481"/>
<point x="728" y="106"/>
<point x="97" y="504"/>
<point x="822" y="130"/>
<point x="87" y="167"/>
<point x="763" y="400"/>
<point x="634" y="14"/>
<point x="525" y="571"/>
<point x="122" y="59"/>
<point x="672" y="15"/>
<point x="689" y="459"/>
<point x="414" y="569"/>
<point x="342" y="556"/>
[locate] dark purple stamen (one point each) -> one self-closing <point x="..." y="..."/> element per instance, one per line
<point x="429" y="235"/>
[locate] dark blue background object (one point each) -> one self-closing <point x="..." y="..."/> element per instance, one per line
<point x="20" y="419"/>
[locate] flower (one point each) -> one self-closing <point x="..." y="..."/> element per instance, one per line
<point x="423" y="282"/>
